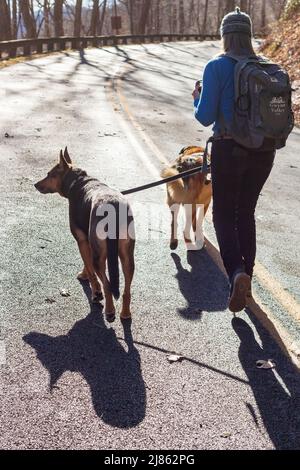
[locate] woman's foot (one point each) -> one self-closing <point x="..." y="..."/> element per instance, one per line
<point x="240" y="288"/>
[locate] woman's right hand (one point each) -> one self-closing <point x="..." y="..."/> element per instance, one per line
<point x="196" y="94"/>
<point x="197" y="90"/>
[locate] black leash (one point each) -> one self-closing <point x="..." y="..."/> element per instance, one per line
<point x="204" y="168"/>
<point x="184" y="174"/>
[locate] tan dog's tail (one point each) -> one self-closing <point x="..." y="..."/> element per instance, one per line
<point x="176" y="185"/>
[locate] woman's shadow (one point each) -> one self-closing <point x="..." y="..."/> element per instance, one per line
<point x="113" y="374"/>
<point x="204" y="286"/>
<point x="278" y="403"/>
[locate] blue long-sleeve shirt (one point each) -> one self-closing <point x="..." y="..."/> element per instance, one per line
<point x="217" y="95"/>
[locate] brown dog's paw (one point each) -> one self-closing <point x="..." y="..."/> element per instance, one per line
<point x="110" y="317"/>
<point x="174" y="244"/>
<point x="82" y="275"/>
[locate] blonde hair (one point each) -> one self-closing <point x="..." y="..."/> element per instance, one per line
<point x="238" y="44"/>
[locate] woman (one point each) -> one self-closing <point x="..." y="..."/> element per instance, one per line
<point x="238" y="174"/>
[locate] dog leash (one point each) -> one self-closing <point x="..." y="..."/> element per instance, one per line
<point x="204" y="168"/>
<point x="184" y="174"/>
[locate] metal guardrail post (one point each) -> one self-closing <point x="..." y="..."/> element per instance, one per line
<point x="39" y="47"/>
<point x="27" y="49"/>
<point x="50" y="46"/>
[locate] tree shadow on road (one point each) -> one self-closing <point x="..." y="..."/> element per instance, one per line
<point x="204" y="287"/>
<point x="278" y="403"/>
<point x="112" y="373"/>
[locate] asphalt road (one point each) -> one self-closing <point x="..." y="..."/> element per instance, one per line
<point x="68" y="379"/>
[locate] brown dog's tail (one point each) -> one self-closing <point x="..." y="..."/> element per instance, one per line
<point x="113" y="266"/>
<point x="113" y="259"/>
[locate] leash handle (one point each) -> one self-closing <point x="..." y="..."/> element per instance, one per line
<point x="205" y="166"/>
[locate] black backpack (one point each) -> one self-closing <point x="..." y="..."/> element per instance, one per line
<point x="263" y="104"/>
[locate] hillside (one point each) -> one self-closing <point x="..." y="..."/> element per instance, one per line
<point x="283" y="46"/>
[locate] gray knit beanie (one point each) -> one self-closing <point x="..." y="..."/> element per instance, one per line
<point x="236" y="22"/>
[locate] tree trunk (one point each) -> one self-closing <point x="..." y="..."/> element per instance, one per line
<point x="198" y="17"/>
<point x="204" y="24"/>
<point x="191" y="14"/>
<point x="102" y="17"/>
<point x="263" y="14"/>
<point x="244" y="5"/>
<point x="28" y="19"/>
<point x="77" y="21"/>
<point x="144" y="16"/>
<point x="94" y="18"/>
<point x="219" y="16"/>
<point x="46" y="16"/>
<point x="130" y="11"/>
<point x="5" y="31"/>
<point x="181" y="17"/>
<point x="58" y="18"/>
<point x="157" y="17"/>
<point x="174" y="19"/>
<point x="14" y="20"/>
<point x="229" y="6"/>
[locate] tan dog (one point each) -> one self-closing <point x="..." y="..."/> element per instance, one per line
<point x="89" y="203"/>
<point x="189" y="192"/>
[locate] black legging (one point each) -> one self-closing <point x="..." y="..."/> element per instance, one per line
<point x="238" y="176"/>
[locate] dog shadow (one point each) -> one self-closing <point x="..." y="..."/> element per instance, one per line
<point x="196" y="285"/>
<point x="278" y="400"/>
<point x="112" y="373"/>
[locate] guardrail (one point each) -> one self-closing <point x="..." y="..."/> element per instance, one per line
<point x="28" y="47"/>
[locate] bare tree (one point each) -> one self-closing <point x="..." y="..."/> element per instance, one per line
<point x="27" y="14"/>
<point x="191" y="14"/>
<point x="181" y="17"/>
<point x="77" y="20"/>
<point x="144" y="16"/>
<point x="14" y="20"/>
<point x="101" y="23"/>
<point x="47" y="17"/>
<point x="204" y="24"/>
<point x="244" y="5"/>
<point x="5" y="31"/>
<point x="263" y="13"/>
<point x="157" y="16"/>
<point x="94" y="18"/>
<point x="229" y="5"/>
<point x="58" y="18"/>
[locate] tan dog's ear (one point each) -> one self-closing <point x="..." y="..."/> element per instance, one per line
<point x="67" y="156"/>
<point x="62" y="161"/>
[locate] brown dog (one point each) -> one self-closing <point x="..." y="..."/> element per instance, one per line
<point x="189" y="192"/>
<point x="102" y="224"/>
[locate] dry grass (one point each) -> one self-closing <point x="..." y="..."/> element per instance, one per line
<point x="283" y="46"/>
<point x="23" y="58"/>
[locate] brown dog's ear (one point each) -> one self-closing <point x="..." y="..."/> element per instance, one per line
<point x="67" y="156"/>
<point x="62" y="161"/>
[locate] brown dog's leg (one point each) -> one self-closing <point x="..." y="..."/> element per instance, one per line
<point x="126" y="253"/>
<point x="85" y="251"/>
<point x="174" y="225"/>
<point x="99" y="263"/>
